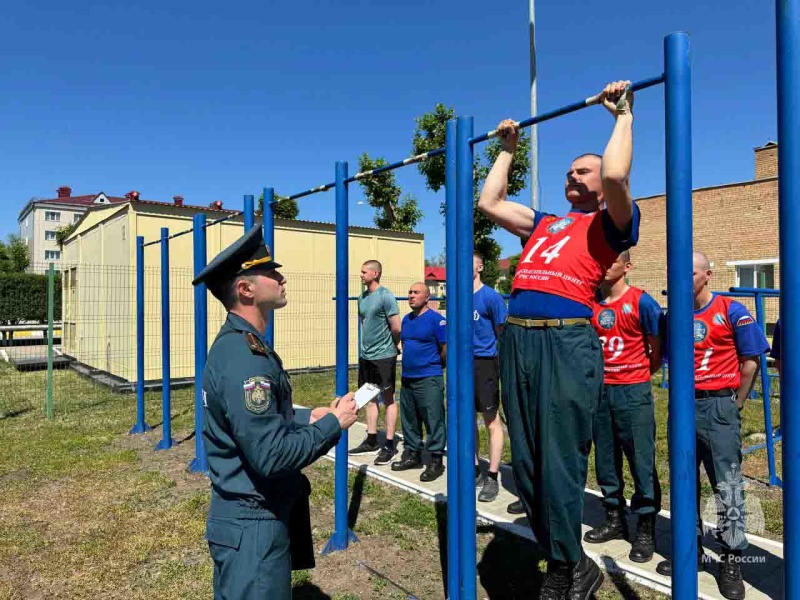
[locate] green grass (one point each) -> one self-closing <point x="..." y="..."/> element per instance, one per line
<point x="87" y="511"/>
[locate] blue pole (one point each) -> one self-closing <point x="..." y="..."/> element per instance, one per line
<point x="166" y="430"/>
<point x="141" y="425"/>
<point x="249" y="212"/>
<point x="200" y="462"/>
<point x="664" y="381"/>
<point x="465" y="393"/>
<point x="269" y="239"/>
<point x="683" y="469"/>
<point x="767" y="397"/>
<point x="451" y="235"/>
<point x="342" y="535"/>
<point x="788" y="77"/>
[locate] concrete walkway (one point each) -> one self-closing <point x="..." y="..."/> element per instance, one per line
<point x="763" y="577"/>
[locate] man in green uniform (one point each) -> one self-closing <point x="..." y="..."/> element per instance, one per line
<point x="258" y="526"/>
<point x="551" y="361"/>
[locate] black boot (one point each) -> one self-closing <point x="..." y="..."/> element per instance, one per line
<point x="730" y="575"/>
<point x="615" y="527"/>
<point x="434" y="470"/>
<point x="555" y="585"/>
<point x="410" y="460"/>
<point x="515" y="508"/>
<point x="665" y="566"/>
<point x="586" y="579"/>
<point x="645" y="543"/>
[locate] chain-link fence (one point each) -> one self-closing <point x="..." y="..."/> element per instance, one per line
<point x="94" y="345"/>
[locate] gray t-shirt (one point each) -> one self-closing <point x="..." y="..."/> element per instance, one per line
<point x="374" y="310"/>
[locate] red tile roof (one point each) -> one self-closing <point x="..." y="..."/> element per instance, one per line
<point x="79" y="200"/>
<point x="435" y="273"/>
<point x="503" y="264"/>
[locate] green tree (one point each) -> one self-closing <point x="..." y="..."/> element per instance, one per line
<point x="383" y="194"/>
<point x="505" y="284"/>
<point x="63" y="232"/>
<point x="284" y="208"/>
<point x="429" y="134"/>
<point x="14" y="255"/>
<point x="440" y="260"/>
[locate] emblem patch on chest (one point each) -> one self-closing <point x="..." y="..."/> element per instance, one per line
<point x="627" y="308"/>
<point x="257" y="395"/>
<point x="607" y="318"/>
<point x="560" y="225"/>
<point x="700" y="331"/>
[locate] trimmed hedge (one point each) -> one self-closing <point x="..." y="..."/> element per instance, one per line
<point x="23" y="297"/>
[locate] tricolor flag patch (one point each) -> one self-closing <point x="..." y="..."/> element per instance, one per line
<point x="745" y="320"/>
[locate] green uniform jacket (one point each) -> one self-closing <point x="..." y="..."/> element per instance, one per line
<point x="255" y="449"/>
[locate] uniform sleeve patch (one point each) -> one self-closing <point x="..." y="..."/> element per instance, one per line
<point x="257" y="395"/>
<point x="745" y="320"/>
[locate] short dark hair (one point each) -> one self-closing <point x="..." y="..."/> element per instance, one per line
<point x="600" y="156"/>
<point x="625" y="255"/>
<point x="226" y="292"/>
<point x="479" y="256"/>
<point x="375" y="265"/>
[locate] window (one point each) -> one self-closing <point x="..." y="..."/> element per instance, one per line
<point x="76" y="218"/>
<point x="755" y="276"/>
<point x="52" y="255"/>
<point x="50" y="235"/>
<point x="52" y="215"/>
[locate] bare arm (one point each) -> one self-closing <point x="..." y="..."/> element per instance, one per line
<point x="493" y="202"/>
<point x="616" y="166"/>
<point x="394" y="327"/>
<point x="443" y="354"/>
<point x="653" y="349"/>
<point x="747" y="372"/>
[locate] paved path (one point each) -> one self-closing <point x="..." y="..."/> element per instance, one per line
<point x="763" y="579"/>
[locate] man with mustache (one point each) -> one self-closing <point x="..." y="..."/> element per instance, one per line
<point x="551" y="361"/>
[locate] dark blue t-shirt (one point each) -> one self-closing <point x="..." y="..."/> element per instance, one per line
<point x="529" y="303"/>
<point x="422" y="335"/>
<point x="489" y="311"/>
<point x="776" y="342"/>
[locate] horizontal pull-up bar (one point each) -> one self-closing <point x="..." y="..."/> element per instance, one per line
<point x="639" y="85"/>
<point x="569" y="108"/>
<point x="206" y="226"/>
<point x="761" y="291"/>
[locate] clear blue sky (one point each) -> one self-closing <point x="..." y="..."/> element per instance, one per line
<point x="216" y="100"/>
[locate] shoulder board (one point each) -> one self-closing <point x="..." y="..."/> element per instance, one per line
<point x="255" y="344"/>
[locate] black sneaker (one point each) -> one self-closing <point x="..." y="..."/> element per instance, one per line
<point x="489" y="491"/>
<point x="365" y="447"/>
<point x="515" y="508"/>
<point x="386" y="455"/>
<point x="410" y="460"/>
<point x="480" y="477"/>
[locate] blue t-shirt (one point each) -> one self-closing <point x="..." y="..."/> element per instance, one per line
<point x="776" y="342"/>
<point x="422" y="335"/>
<point x="489" y="312"/>
<point x="529" y="303"/>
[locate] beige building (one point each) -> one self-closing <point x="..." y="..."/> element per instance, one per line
<point x="99" y="279"/>
<point x="40" y="218"/>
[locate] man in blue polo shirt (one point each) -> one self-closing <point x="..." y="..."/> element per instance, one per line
<point x="489" y="315"/>
<point x="422" y="393"/>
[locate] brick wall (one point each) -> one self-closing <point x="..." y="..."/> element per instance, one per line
<point x="766" y="161"/>
<point x="731" y="223"/>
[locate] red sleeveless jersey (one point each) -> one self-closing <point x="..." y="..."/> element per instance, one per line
<point x="620" y="331"/>
<point x="566" y="256"/>
<point x="716" y="362"/>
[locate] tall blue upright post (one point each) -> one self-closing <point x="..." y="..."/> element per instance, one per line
<point x="453" y="490"/>
<point x="463" y="323"/>
<point x="342" y="535"/>
<point x="166" y="428"/>
<point x="767" y="397"/>
<point x="200" y="462"/>
<point x="269" y="239"/>
<point x="683" y="468"/>
<point x="788" y="76"/>
<point x="249" y="213"/>
<point x="141" y="425"/>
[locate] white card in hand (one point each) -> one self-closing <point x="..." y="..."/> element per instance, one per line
<point x="365" y="393"/>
